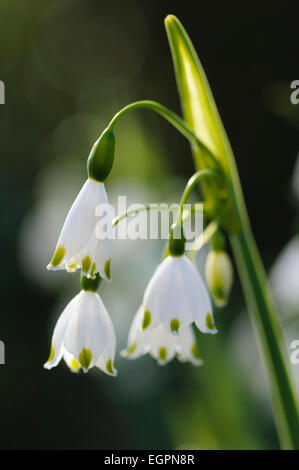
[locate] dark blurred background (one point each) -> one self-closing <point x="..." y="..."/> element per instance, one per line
<point x="68" y="66"/>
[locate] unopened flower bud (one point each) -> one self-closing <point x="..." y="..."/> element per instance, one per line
<point x="100" y="160"/>
<point x="219" y="276"/>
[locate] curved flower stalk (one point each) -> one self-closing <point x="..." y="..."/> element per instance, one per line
<point x="84" y="334"/>
<point x="161" y="344"/>
<point x="79" y="244"/>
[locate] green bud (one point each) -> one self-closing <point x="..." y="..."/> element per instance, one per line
<point x="90" y="284"/>
<point x="219" y="276"/>
<point x="100" y="160"/>
<point x="176" y="243"/>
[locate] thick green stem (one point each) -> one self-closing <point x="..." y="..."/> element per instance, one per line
<point x="269" y="335"/>
<point x="263" y="312"/>
<point x="201" y="114"/>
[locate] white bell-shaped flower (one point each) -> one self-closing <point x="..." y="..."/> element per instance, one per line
<point x="176" y="296"/>
<point x="84" y="335"/>
<point x="79" y="244"/>
<point x="160" y="343"/>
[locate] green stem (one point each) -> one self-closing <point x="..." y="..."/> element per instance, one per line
<point x="126" y="214"/>
<point x="200" y="241"/>
<point x="263" y="312"/>
<point x="200" y="111"/>
<point x="207" y="172"/>
<point x="171" y="117"/>
<point x="149" y="207"/>
<point x="269" y="335"/>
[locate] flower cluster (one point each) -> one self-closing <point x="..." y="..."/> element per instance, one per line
<point x="175" y="300"/>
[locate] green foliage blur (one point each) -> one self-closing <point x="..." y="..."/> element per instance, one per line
<point x="68" y="66"/>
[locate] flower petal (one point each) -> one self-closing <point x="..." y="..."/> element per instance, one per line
<point x="138" y="340"/>
<point x="186" y="347"/>
<point x="162" y="344"/>
<point x="106" y="359"/>
<point x="197" y="296"/>
<point x="96" y="254"/>
<point x="59" y="332"/>
<point x="78" y="226"/>
<point x="165" y="296"/>
<point x="71" y="362"/>
<point x="156" y="293"/>
<point x="86" y="335"/>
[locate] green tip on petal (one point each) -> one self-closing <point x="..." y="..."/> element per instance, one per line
<point x="58" y="256"/>
<point x="93" y="269"/>
<point x="132" y="348"/>
<point x="218" y="292"/>
<point x="85" y="358"/>
<point x="75" y="365"/>
<point x="209" y="322"/>
<point x="219" y="296"/>
<point x="107" y="269"/>
<point x="52" y="352"/>
<point x="195" y="353"/>
<point x="86" y="263"/>
<point x="146" y="320"/>
<point x="72" y="267"/>
<point x="162" y="353"/>
<point x="175" y="325"/>
<point x="109" y="367"/>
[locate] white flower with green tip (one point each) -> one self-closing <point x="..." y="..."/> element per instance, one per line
<point x="176" y="296"/>
<point x="84" y="335"/>
<point x="78" y="245"/>
<point x="160" y="343"/>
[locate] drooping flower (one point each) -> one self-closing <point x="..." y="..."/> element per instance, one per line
<point x="219" y="276"/>
<point x="84" y="334"/>
<point x="176" y="296"/>
<point x="160" y="343"/>
<point x="79" y="244"/>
